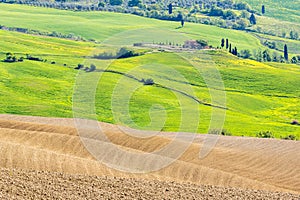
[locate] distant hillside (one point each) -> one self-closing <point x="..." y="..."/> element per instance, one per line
<point x="279" y="19"/>
<point x="287" y="10"/>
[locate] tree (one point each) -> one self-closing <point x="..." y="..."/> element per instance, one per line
<point x="266" y="56"/>
<point x="294" y="60"/>
<point x="263" y="9"/>
<point x="203" y="43"/>
<point x="214" y="11"/>
<point x="222" y="43"/>
<point x="227" y="43"/>
<point x="252" y="19"/>
<point x="275" y="57"/>
<point x="294" y="35"/>
<point x="133" y="3"/>
<point x="242" y="24"/>
<point x="283" y="34"/>
<point x="242" y="6"/>
<point x="230" y="47"/>
<point x="234" y="51"/>
<point x="92" y="68"/>
<point x="170" y="9"/>
<point x="258" y="55"/>
<point x="286" y="54"/>
<point x="245" y="53"/>
<point x="244" y="14"/>
<point x="115" y="2"/>
<point x="182" y="22"/>
<point x="229" y="14"/>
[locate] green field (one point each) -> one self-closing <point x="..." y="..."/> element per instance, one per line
<point x="103" y="25"/>
<point x="260" y="96"/>
<point x="287" y="10"/>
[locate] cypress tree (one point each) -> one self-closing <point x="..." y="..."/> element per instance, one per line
<point x="170" y="9"/>
<point x="182" y="22"/>
<point x="230" y="47"/>
<point x="263" y="9"/>
<point x="227" y="44"/>
<point x="286" y="54"/>
<point x="252" y="19"/>
<point x="222" y="43"/>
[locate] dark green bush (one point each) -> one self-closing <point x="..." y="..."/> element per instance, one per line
<point x="148" y="81"/>
<point x="219" y="132"/>
<point x="265" y="134"/>
<point x="290" y="137"/>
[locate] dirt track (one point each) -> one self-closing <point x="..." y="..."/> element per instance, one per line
<point x="53" y="146"/>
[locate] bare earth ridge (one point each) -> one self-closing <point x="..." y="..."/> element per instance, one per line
<point x="44" y="158"/>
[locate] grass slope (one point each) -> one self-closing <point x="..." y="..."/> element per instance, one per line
<point x="102" y="25"/>
<point x="287" y="10"/>
<point x="260" y="96"/>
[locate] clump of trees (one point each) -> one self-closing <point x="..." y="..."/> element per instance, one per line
<point x="11" y="58"/>
<point x="122" y="53"/>
<point x="50" y="34"/>
<point x="29" y="57"/>
<point x="232" y="50"/>
<point x="271" y="45"/>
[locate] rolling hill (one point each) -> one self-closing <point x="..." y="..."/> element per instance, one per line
<point x="255" y="99"/>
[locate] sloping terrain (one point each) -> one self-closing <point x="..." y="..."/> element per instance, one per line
<point x="260" y="96"/>
<point x="52" y="145"/>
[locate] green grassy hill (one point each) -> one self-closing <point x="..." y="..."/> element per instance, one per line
<point x="260" y="96"/>
<point x="101" y="25"/>
<point x="287" y="10"/>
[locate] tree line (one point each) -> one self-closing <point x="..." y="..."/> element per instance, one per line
<point x="261" y="55"/>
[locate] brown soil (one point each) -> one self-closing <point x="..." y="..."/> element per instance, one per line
<point x="44" y="158"/>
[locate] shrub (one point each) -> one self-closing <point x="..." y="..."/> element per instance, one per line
<point x="148" y="81"/>
<point x="79" y="66"/>
<point x="265" y="134"/>
<point x="10" y="58"/>
<point x="115" y="2"/>
<point x="295" y="122"/>
<point x="216" y="12"/>
<point x="92" y="68"/>
<point x="290" y="137"/>
<point x="219" y="131"/>
<point x="29" y="57"/>
<point x="126" y="53"/>
<point x="203" y="43"/>
<point x="122" y="53"/>
<point x="245" y="53"/>
<point x="104" y="56"/>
